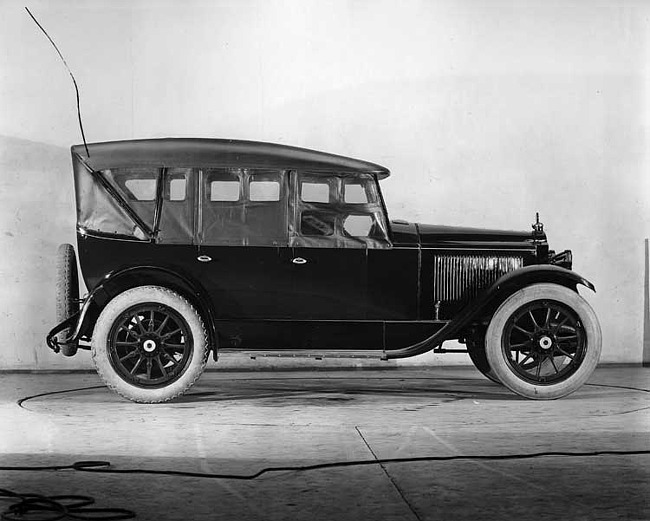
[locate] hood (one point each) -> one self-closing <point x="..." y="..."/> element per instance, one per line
<point x="460" y="237"/>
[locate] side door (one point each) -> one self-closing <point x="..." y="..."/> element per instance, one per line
<point x="330" y="250"/>
<point x="243" y="241"/>
<point x="328" y="284"/>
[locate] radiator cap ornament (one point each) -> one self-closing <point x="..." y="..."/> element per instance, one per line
<point x="538" y="227"/>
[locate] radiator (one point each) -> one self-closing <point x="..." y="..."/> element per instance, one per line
<point x="462" y="277"/>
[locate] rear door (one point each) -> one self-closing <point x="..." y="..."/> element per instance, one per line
<point x="243" y="241"/>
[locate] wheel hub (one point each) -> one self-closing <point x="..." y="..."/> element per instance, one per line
<point x="545" y="343"/>
<point x="149" y="346"/>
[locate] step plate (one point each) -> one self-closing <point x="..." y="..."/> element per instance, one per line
<point x="298" y="353"/>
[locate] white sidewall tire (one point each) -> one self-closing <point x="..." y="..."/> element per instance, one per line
<point x="501" y="368"/>
<point x="477" y="358"/>
<point x="156" y="295"/>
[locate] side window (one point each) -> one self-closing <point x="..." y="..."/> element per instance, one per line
<point x="141" y="189"/>
<point x="138" y="186"/>
<point x="225" y="190"/>
<point x="315" y="191"/>
<point x="266" y="207"/>
<point x="264" y="190"/>
<point x="358" y="225"/>
<point x="339" y="210"/>
<point x="355" y="193"/>
<point x="176" y="183"/>
<point x="244" y="206"/>
<point x="177" y="187"/>
<point x="177" y="210"/>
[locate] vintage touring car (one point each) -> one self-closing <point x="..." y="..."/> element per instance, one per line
<point x="192" y="246"/>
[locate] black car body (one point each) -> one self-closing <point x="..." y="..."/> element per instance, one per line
<point x="282" y="250"/>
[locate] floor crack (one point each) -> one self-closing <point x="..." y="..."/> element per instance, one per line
<point x="393" y="482"/>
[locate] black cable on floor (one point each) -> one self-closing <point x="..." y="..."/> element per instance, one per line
<point x="76" y="507"/>
<point x="50" y="508"/>
<point x="102" y="467"/>
<point x="52" y="393"/>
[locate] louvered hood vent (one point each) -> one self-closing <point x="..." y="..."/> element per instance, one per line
<point x="462" y="277"/>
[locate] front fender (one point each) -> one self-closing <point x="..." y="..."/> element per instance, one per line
<point x="489" y="301"/>
<point x="485" y="306"/>
<point x="540" y="273"/>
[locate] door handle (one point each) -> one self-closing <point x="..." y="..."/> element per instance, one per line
<point x="204" y="258"/>
<point x="299" y="260"/>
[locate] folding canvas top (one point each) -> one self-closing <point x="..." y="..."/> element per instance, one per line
<point x="195" y="152"/>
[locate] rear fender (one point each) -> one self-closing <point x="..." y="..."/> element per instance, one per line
<point x="115" y="283"/>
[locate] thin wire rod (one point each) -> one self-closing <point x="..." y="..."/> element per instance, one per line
<point x="76" y="88"/>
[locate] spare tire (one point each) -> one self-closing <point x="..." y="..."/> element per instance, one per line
<point x="67" y="293"/>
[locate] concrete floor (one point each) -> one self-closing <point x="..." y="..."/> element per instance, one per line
<point x="239" y="423"/>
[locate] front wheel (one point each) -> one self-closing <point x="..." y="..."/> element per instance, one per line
<point x="476" y="351"/>
<point x="543" y="342"/>
<point x="149" y="344"/>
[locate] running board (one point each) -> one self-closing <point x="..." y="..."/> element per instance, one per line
<point x="307" y="353"/>
<point x="323" y="354"/>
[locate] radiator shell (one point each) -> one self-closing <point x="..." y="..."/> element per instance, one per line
<point x="461" y="277"/>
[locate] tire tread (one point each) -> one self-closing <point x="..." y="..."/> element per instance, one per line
<point x="67" y="291"/>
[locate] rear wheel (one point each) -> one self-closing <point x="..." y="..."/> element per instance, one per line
<point x="149" y="344"/>
<point x="67" y="293"/>
<point x="543" y="342"/>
